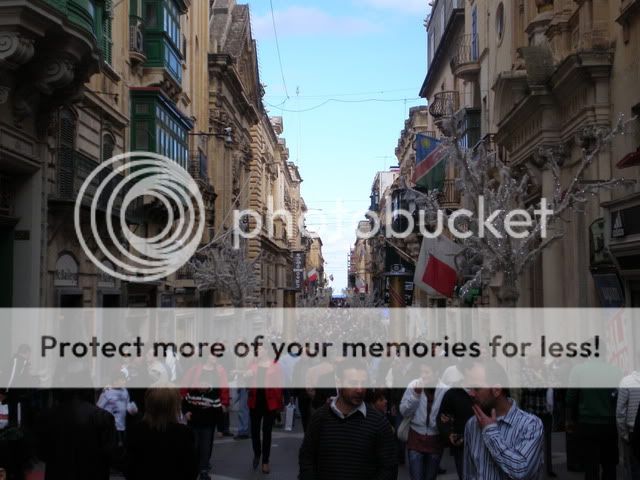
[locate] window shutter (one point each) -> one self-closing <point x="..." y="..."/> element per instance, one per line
<point x="107" y="40"/>
<point x="66" y="141"/>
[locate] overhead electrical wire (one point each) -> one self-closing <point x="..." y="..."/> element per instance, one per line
<point x="337" y="100"/>
<point x="275" y="33"/>
<point x="351" y="94"/>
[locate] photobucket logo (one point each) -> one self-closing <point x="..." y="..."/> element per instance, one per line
<point x="400" y="223"/>
<point x="128" y="179"/>
<point x="516" y="223"/>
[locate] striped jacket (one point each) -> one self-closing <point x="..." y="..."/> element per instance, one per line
<point x="509" y="449"/>
<point x="628" y="402"/>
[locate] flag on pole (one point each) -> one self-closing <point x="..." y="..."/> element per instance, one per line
<point x="312" y="276"/>
<point x="436" y="271"/>
<point x="430" y="165"/>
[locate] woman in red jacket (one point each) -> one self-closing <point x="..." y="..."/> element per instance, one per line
<point x="264" y="402"/>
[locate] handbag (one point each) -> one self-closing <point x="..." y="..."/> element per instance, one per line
<point x="403" y="429"/>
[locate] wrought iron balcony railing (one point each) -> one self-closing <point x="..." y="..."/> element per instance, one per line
<point x="186" y="272"/>
<point x="198" y="166"/>
<point x="465" y="57"/>
<point x="450" y="195"/>
<point x="444" y="104"/>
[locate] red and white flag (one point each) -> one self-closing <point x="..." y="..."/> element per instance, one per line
<point x="436" y="271"/>
<point x="312" y="276"/>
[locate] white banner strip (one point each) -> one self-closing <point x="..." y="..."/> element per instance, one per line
<point x="309" y="348"/>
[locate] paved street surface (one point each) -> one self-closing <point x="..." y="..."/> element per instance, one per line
<point x="231" y="459"/>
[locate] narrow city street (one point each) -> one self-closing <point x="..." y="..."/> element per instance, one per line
<point x="418" y="213"/>
<point x="232" y="459"/>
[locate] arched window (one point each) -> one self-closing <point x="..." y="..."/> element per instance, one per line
<point x="108" y="146"/>
<point x="66" y="272"/>
<point x="66" y="143"/>
<point x="500" y="22"/>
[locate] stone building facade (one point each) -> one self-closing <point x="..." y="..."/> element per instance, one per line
<point x="107" y="81"/>
<point x="84" y="80"/>
<point x="254" y="171"/>
<point x="531" y="74"/>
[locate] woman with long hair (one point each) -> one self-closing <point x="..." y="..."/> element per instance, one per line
<point x="159" y="447"/>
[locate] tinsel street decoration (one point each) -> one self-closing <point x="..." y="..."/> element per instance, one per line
<point x="365" y="300"/>
<point x="483" y="174"/>
<point x="227" y="270"/>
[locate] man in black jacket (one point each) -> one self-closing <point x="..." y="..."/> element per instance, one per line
<point x="345" y="438"/>
<point x="455" y="410"/>
<point x="77" y="440"/>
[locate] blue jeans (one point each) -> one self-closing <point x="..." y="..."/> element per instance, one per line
<point x="244" y="426"/>
<point x="423" y="466"/>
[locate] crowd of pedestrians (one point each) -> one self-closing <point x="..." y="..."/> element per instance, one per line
<point x="350" y="432"/>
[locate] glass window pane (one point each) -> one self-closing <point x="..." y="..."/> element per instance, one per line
<point x="151" y="15"/>
<point x="141" y="137"/>
<point x="142" y="109"/>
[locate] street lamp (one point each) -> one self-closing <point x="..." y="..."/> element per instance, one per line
<point x="226" y="134"/>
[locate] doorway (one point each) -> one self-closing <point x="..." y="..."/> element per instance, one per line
<point x="70" y="300"/>
<point x="110" y="300"/>
<point x="634" y="290"/>
<point x="6" y="273"/>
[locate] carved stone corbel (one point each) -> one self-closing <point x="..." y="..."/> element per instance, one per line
<point x="587" y="137"/>
<point x="4" y="94"/>
<point x="546" y="152"/>
<point x="15" y="50"/>
<point x="57" y="72"/>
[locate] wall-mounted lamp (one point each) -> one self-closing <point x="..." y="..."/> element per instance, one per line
<point x="226" y="134"/>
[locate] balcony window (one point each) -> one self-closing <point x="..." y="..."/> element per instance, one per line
<point x="470" y="122"/>
<point x="107" y="40"/>
<point x="151" y="15"/>
<point x="135" y="8"/>
<point x="159" y="127"/>
<point x="163" y="38"/>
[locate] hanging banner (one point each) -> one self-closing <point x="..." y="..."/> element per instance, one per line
<point x="299" y="261"/>
<point x="430" y="165"/>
